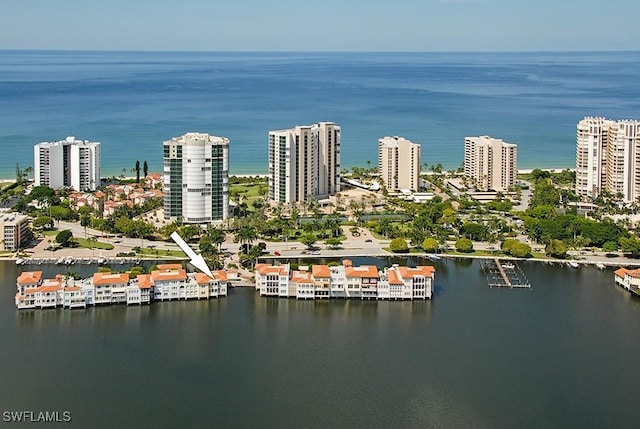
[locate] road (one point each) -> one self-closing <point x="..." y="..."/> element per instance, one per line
<point x="362" y="245"/>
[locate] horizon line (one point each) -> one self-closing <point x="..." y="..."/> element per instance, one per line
<point x="453" y="51"/>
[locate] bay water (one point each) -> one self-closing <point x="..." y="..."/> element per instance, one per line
<point x="563" y="354"/>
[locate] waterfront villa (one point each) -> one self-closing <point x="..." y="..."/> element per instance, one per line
<point x="168" y="282"/>
<point x="628" y="279"/>
<point x="345" y="281"/>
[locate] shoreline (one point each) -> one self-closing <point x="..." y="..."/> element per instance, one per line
<point x="263" y="175"/>
<point x="121" y="260"/>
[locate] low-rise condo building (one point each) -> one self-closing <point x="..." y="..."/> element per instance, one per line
<point x="345" y="281"/>
<point x="13" y="231"/>
<point x="168" y="282"/>
<point x="628" y="279"/>
<point x="490" y="163"/>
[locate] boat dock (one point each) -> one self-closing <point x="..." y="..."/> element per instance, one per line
<point x="504" y="274"/>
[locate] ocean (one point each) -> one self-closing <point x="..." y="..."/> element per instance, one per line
<point x="132" y="101"/>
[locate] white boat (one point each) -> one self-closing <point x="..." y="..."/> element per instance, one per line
<point x="20" y="261"/>
<point x="573" y="264"/>
<point x="434" y="257"/>
<point x="600" y="265"/>
<point x="508" y="265"/>
<point x="60" y="260"/>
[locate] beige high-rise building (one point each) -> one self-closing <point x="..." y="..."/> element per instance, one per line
<point x="399" y="163"/>
<point x="490" y="163"/>
<point x="13" y="231"/>
<point x="304" y="162"/>
<point x="608" y="157"/>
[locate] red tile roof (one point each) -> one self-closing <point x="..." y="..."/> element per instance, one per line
<point x="166" y="275"/>
<point x="169" y="266"/>
<point x="422" y="270"/>
<point x="29" y="277"/>
<point x="220" y="275"/>
<point x="301" y="277"/>
<point x="622" y="272"/>
<point x="144" y="281"/>
<point x="110" y="278"/>
<point x="363" y="271"/>
<point x="272" y="269"/>
<point x="321" y="271"/>
<point x="394" y="278"/>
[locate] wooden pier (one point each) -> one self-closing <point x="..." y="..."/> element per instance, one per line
<point x="504" y="274"/>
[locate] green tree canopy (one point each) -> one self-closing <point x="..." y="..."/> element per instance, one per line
<point x="475" y="231"/>
<point x="41" y="193"/>
<point x="308" y="239"/>
<point x="507" y="244"/>
<point x="398" y="245"/>
<point x="64" y="237"/>
<point x="430" y="245"/>
<point x="464" y="245"/>
<point x="520" y="250"/>
<point x="44" y="222"/>
<point x="630" y="245"/>
<point x="333" y="242"/>
<point x="610" y="246"/>
<point x="556" y="248"/>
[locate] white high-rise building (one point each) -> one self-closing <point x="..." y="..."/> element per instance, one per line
<point x="490" y="163"/>
<point x="68" y="163"/>
<point x="608" y="157"/>
<point x="399" y="163"/>
<point x="196" y="178"/>
<point x="304" y="162"/>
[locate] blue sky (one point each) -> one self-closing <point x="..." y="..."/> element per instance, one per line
<point x="329" y="25"/>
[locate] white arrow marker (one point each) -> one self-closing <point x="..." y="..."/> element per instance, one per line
<point x="196" y="260"/>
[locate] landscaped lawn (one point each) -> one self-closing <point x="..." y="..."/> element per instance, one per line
<point x="161" y="252"/>
<point x="247" y="191"/>
<point x="83" y="242"/>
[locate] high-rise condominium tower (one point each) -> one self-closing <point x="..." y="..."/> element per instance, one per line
<point x="304" y="162"/>
<point x="608" y="157"/>
<point x="196" y="178"/>
<point x="67" y="163"/>
<point x="490" y="163"/>
<point x="399" y="163"/>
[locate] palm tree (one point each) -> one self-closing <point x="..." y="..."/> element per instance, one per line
<point x="92" y="241"/>
<point x="332" y="223"/>
<point x="216" y="235"/>
<point x="249" y="259"/>
<point x="246" y="234"/>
